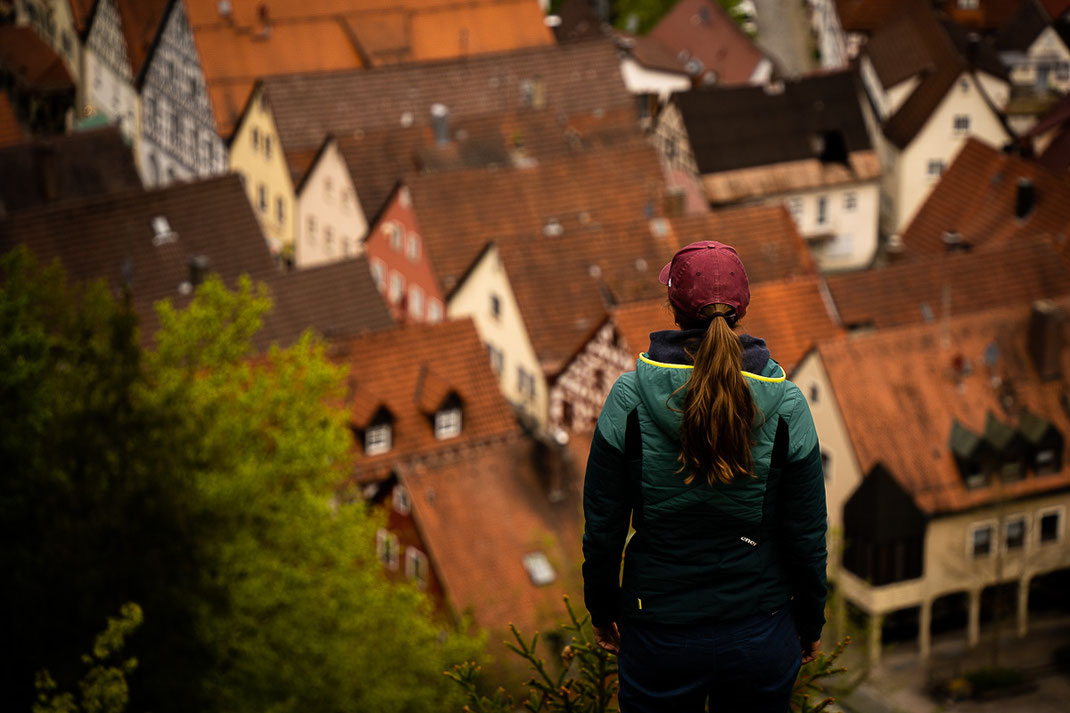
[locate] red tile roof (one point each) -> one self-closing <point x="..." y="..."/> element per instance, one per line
<point x="909" y="377"/>
<point x="976" y="197"/>
<point x="32" y="62"/>
<point x="479" y="516"/>
<point x="790" y="315"/>
<point x="141" y="22"/>
<point x="388" y="367"/>
<point x="1014" y="272"/>
<point x="705" y="32"/>
<point x="81" y="10"/>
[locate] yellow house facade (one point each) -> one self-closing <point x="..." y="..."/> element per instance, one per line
<point x="486" y="295"/>
<point x="256" y="156"/>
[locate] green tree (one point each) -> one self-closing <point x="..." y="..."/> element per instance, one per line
<point x="198" y="482"/>
<point x="640" y="16"/>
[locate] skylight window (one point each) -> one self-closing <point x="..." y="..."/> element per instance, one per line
<point x="539" y="569"/>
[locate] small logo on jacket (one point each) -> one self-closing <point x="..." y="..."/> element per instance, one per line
<point x="749" y="541"/>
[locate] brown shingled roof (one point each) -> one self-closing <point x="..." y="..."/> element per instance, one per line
<point x="479" y="516"/>
<point x="790" y="315"/>
<point x="577" y="78"/>
<point x="385" y="366"/>
<point x="111" y="237"/>
<point x="863" y="15"/>
<point x="705" y="32"/>
<point x="32" y="62"/>
<point x="52" y="169"/>
<point x="908" y="377"/>
<point x="1017" y="271"/>
<point x="976" y="197"/>
<point x="460" y="211"/>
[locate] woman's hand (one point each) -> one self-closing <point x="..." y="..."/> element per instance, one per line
<point x="809" y="651"/>
<point x="608" y="637"/>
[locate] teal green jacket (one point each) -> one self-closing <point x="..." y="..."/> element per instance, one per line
<point x="702" y="553"/>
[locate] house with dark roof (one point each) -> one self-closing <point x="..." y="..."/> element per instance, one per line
<point x="48" y="170"/>
<point x="800" y="143"/>
<point x="989" y="197"/>
<point x="945" y="456"/>
<point x="790" y="315"/>
<point x="1038" y="62"/>
<point x="931" y="84"/>
<point x="36" y="79"/>
<point x="60" y="24"/>
<point x="498" y="110"/>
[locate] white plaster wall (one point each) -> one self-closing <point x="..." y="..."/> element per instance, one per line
<point x="506" y="332"/>
<point x="336" y="213"/>
<point x="899" y="93"/>
<point x="855" y="231"/>
<point x="938" y="140"/>
<point x="640" y="80"/>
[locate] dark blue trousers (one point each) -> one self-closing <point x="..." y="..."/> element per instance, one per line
<point x="743" y="666"/>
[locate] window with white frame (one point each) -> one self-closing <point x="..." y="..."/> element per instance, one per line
<point x="1044" y="462"/>
<point x="397" y="286"/>
<point x="967" y="4"/>
<point x="961" y="124"/>
<point x="416" y="566"/>
<point x="434" y="311"/>
<point x="448" y="423"/>
<point x="400" y="498"/>
<point x="416" y="302"/>
<point x="377" y="439"/>
<point x="795" y="207"/>
<point x="1014" y="533"/>
<point x="1050" y="525"/>
<point x="850" y="202"/>
<point x="497" y="360"/>
<point x="934" y="168"/>
<point x="378" y="268"/>
<point x="980" y="542"/>
<point x="387" y="548"/>
<point x="822" y="210"/>
<point x="412" y="247"/>
<point x="393" y="232"/>
<point x="495" y="306"/>
<point x="525" y="383"/>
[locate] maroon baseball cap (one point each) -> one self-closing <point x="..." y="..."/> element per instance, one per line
<point x="706" y="273"/>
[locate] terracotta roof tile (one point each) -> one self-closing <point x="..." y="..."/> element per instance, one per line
<point x="111" y="237"/>
<point x="32" y="62"/>
<point x="48" y="170"/>
<point x="977" y="196"/>
<point x="453" y="350"/>
<point x="570" y="80"/>
<point x="10" y="129"/>
<point x="739" y="127"/>
<point x="908" y="377"/>
<point x="1017" y="271"/>
<point x="479" y="517"/>
<point x="460" y="211"/>
<point x="140" y="21"/>
<point x="81" y="11"/>
<point x="706" y="33"/>
<point x="790" y="315"/>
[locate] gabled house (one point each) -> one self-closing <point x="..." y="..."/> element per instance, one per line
<point x="790" y="315"/>
<point x="60" y="23"/>
<point x="492" y="110"/>
<point x="801" y="143"/>
<point x="440" y="398"/>
<point x="968" y="491"/>
<point x="931" y="85"/>
<point x="399" y="262"/>
<point x="1038" y="62"/>
<point x="988" y="197"/>
<point x="1048" y="141"/>
<point x="328" y="221"/>
<point x="936" y="287"/>
<point x="49" y="170"/>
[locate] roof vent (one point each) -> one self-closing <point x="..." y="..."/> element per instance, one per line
<point x="594" y="271"/>
<point x="1025" y="199"/>
<point x="539" y="569"/>
<point x="440" y="123"/>
<point x="553" y="228"/>
<point x="694" y="66"/>
<point x="895" y="243"/>
<point x="161" y="232"/>
<point x="198" y="269"/>
<point x="954" y="242"/>
<point x="406" y="119"/>
<point x="224" y="8"/>
<point x="552" y="21"/>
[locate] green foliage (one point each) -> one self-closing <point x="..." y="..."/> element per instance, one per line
<point x="104" y="688"/>
<point x="640" y="16"/>
<point x="587" y="682"/>
<point x="198" y="481"/>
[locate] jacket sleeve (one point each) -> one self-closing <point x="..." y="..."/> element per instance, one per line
<point x="804" y="521"/>
<point x="607" y="512"/>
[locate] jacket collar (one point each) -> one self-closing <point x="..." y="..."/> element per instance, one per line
<point x="670" y="346"/>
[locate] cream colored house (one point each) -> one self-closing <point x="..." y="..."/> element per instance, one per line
<point x="941" y="483"/>
<point x="329" y="223"/>
<point x="925" y="101"/>
<point x="109" y="76"/>
<point x="803" y="144"/>
<point x="486" y="295"/>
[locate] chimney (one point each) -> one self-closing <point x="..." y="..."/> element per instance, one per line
<point x="1026" y="198"/>
<point x="1045" y="338"/>
<point x="440" y="123"/>
<point x="198" y="269"/>
<point x="225" y="10"/>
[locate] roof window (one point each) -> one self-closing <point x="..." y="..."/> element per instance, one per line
<point x="539" y="569"/>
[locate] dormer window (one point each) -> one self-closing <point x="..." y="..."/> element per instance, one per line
<point x="972" y="454"/>
<point x="377" y="439"/>
<point x="448" y="422"/>
<point x="1044" y="443"/>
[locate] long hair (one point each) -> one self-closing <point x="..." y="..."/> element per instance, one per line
<point x="718" y="409"/>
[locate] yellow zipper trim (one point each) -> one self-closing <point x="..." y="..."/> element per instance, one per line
<point x="749" y="375"/>
<point x="640" y="605"/>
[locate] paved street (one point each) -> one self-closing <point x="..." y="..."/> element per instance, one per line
<point x="784" y="32"/>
